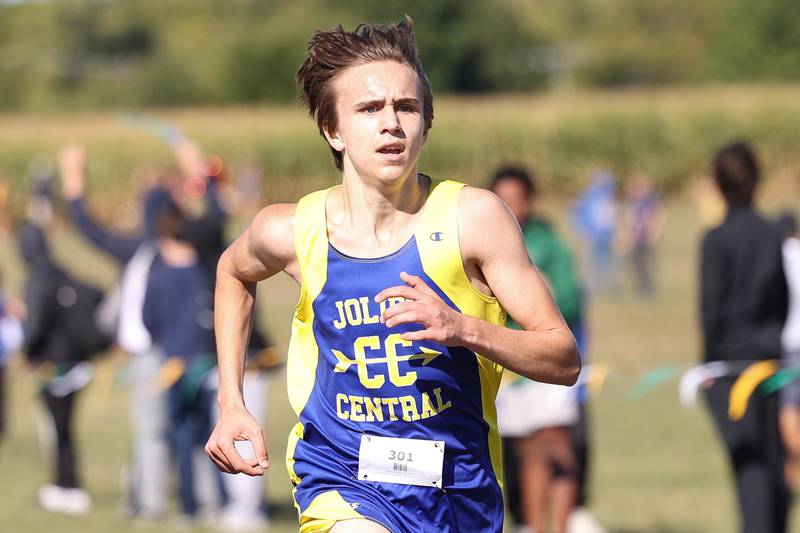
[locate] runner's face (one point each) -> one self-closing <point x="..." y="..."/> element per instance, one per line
<point x="380" y="122"/>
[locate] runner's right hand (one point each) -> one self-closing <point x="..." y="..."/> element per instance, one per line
<point x="237" y="424"/>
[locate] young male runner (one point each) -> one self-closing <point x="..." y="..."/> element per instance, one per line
<point x="404" y="282"/>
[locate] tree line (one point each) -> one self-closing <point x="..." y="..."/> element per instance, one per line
<point x="110" y="53"/>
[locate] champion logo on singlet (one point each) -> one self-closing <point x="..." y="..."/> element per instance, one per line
<point x="437" y="236"/>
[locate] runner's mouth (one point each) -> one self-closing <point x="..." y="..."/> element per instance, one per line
<point x="393" y="148"/>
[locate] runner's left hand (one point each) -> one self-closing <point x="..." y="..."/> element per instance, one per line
<point x="422" y="305"/>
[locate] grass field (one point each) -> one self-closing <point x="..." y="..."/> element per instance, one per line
<point x="657" y="467"/>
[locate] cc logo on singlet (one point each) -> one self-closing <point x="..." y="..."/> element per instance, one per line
<point x="437" y="236"/>
<point x="390" y="358"/>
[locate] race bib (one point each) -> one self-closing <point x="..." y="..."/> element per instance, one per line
<point x="404" y="461"/>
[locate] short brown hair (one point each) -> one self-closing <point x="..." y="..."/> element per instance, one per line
<point x="331" y="52"/>
<point x="736" y="172"/>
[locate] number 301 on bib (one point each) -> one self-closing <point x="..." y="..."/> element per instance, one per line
<point x="404" y="461"/>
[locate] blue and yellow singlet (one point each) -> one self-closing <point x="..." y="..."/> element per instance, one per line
<point x="350" y="375"/>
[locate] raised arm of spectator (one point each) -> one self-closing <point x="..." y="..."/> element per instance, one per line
<point x="190" y="161"/>
<point x="189" y="158"/>
<point x="72" y="164"/>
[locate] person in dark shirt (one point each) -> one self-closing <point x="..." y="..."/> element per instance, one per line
<point x="743" y="305"/>
<point x="53" y="342"/>
<point x="178" y="314"/>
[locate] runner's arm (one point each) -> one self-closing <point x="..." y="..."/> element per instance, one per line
<point x="491" y="240"/>
<point x="544" y="350"/>
<point x="262" y="251"/>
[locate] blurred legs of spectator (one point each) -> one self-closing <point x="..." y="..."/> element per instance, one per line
<point x="246" y="501"/>
<point x="65" y="494"/>
<point x="756" y="455"/>
<point x="547" y="478"/>
<point x="61" y="410"/>
<point x="602" y="274"/>
<point x="579" y="433"/>
<point x="148" y="490"/>
<point x="190" y="425"/>
<point x="511" y="480"/>
<point x="541" y="470"/>
<point x="582" y="520"/>
<point x="208" y="488"/>
<point x="642" y="263"/>
<point x="790" y="423"/>
<point x="579" y="440"/>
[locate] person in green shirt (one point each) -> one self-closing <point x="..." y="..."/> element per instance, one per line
<point x="551" y="255"/>
<point x="550" y="460"/>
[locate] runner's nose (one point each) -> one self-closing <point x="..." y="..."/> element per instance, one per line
<point x="389" y="120"/>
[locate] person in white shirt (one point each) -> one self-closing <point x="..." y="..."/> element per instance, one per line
<point x="790" y="342"/>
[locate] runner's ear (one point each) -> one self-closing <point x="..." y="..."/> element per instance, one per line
<point x="333" y="138"/>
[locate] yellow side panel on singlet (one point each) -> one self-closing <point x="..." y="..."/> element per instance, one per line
<point x="311" y="247"/>
<point x="440" y="252"/>
<point x="324" y="511"/>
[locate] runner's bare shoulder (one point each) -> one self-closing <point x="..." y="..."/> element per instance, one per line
<point x="271" y="236"/>
<point x="484" y="223"/>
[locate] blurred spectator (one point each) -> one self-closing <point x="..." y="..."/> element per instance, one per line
<point x="245" y="507"/>
<point x="206" y="231"/>
<point x="134" y="253"/>
<point x="545" y="432"/>
<point x="744" y="305"/>
<point x="790" y="340"/>
<point x="178" y="313"/>
<point x="196" y="188"/>
<point x="60" y="335"/>
<point x="643" y="223"/>
<point x="594" y="215"/>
